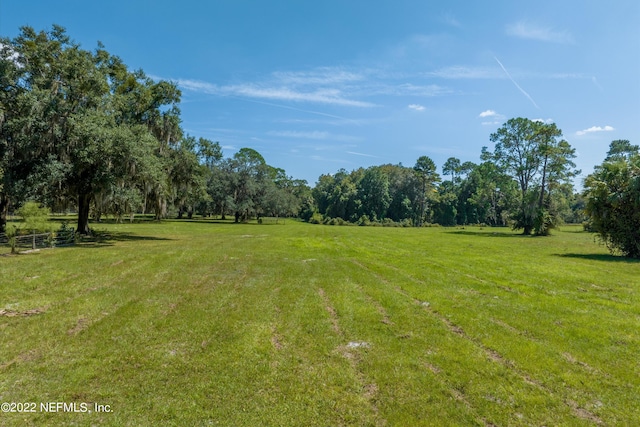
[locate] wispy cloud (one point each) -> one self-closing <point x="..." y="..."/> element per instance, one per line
<point x="464" y="72"/>
<point x="211" y="89"/>
<point x="323" y="86"/>
<point x="319" y="76"/>
<point x="406" y="89"/>
<point x="449" y="19"/>
<point x="545" y="121"/>
<point x="300" y="134"/>
<point x="331" y="160"/>
<point x="322" y="96"/>
<point x="361" y="154"/>
<point x="595" y="129"/>
<point x="526" y="30"/>
<point x="595" y="82"/>
<point x="515" y="83"/>
<point x="416" y="107"/>
<point x="315" y="135"/>
<point x="460" y="72"/>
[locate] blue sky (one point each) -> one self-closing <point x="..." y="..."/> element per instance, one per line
<point x="323" y="85"/>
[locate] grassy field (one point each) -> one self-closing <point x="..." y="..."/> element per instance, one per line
<point x="204" y="323"/>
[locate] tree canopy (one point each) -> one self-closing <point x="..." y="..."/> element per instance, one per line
<point x="79" y="130"/>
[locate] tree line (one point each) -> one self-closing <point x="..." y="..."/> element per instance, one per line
<point x="526" y="181"/>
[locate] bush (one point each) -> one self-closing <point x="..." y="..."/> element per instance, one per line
<point x="364" y="220"/>
<point x="12" y="232"/>
<point x="316" y="218"/>
<point x="613" y="204"/>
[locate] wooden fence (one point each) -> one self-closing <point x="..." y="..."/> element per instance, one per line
<point x="42" y="240"/>
<point x="270" y="220"/>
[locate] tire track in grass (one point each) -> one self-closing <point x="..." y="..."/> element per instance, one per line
<point x="369" y="389"/>
<point x="490" y="353"/>
<point x="456" y="394"/>
<point x="495" y="356"/>
<point x="591" y="371"/>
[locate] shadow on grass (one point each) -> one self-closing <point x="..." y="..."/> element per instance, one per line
<point x="101" y="238"/>
<point x="489" y="233"/>
<point x="218" y="221"/>
<point x="601" y="257"/>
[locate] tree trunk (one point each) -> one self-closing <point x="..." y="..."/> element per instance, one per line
<point x="84" y="200"/>
<point x="544" y="178"/>
<point x="4" y="209"/>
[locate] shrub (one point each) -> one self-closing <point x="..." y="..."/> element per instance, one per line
<point x="316" y="218"/>
<point x="613" y="204"/>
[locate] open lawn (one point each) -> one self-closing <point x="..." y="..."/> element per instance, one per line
<point x="203" y="323"/>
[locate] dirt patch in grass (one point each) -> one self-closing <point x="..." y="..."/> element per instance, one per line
<point x="21" y="358"/>
<point x="583" y="413"/>
<point x="276" y="339"/>
<point x="432" y="368"/>
<point x="575" y="361"/>
<point x="170" y="309"/>
<point x="81" y="324"/>
<point x="25" y="313"/>
<point x="332" y="312"/>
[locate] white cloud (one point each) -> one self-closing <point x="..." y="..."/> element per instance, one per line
<point x="417" y="107"/>
<point x="595" y="129"/>
<point x="545" y="121"/>
<point x="493" y="117"/>
<point x="488" y="113"/>
<point x="529" y="31"/>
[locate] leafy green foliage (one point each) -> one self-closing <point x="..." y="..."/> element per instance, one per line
<point x="80" y="129"/>
<point x="530" y="152"/>
<point x="612" y="195"/>
<point x="35" y="217"/>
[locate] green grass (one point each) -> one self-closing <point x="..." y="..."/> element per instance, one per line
<point x="204" y="323"/>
